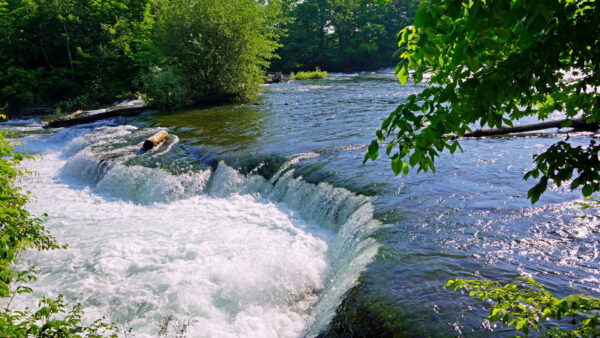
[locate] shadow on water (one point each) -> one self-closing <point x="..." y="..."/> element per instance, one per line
<point x="229" y="129"/>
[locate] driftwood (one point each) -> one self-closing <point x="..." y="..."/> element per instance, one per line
<point x="81" y="118"/>
<point x="577" y="124"/>
<point x="155" y="139"/>
<point x="73" y="114"/>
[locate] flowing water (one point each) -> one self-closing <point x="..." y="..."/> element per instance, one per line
<point x="261" y="221"/>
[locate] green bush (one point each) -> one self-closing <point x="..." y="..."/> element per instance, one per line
<point x="165" y="88"/>
<point x="74" y="53"/>
<point x="314" y="75"/>
<point x="220" y="48"/>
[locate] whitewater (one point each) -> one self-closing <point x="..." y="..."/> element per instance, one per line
<point x="202" y="253"/>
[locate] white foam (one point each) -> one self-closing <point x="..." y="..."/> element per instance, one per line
<point x="219" y="253"/>
<point x="232" y="267"/>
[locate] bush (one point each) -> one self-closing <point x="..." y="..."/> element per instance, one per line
<point x="220" y="48"/>
<point x="166" y="88"/>
<point x="314" y="75"/>
<point x="72" y="53"/>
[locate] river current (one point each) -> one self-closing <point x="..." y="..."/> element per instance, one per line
<point x="261" y="221"/>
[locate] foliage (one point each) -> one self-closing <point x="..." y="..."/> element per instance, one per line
<point x="166" y="88"/>
<point x="20" y="231"/>
<point x="492" y="63"/>
<point x="341" y="35"/>
<point x="50" y="320"/>
<point x="220" y="49"/>
<point x="316" y="74"/>
<point x="526" y="305"/>
<point x="77" y="52"/>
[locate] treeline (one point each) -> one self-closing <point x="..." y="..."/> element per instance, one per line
<point x="72" y="54"/>
<point x="342" y="35"/>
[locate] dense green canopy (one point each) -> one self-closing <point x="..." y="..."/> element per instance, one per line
<point x="342" y="35"/>
<point x="74" y="51"/>
<point x="492" y="63"/>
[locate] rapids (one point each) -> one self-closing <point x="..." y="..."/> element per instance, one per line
<point x="260" y="220"/>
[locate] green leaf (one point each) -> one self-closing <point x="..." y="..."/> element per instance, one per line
<point x="373" y="150"/>
<point x="415" y="158"/>
<point x="404" y="168"/>
<point x="421" y="16"/>
<point x="403" y="75"/>
<point x="397" y="165"/>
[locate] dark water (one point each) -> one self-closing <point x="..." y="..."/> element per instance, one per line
<point x="470" y="219"/>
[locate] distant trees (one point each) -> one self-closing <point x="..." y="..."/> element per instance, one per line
<point x="70" y="52"/>
<point x="342" y="35"/>
<point x="79" y="53"/>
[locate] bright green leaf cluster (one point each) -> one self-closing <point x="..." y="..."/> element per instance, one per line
<point x="526" y="305"/>
<point x="317" y="74"/>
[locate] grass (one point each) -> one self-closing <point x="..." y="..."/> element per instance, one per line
<point x="314" y="75"/>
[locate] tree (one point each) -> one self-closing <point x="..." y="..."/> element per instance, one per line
<point x="342" y="35"/>
<point x="492" y="63"/>
<point x="215" y="50"/>
<point x="74" y="52"/>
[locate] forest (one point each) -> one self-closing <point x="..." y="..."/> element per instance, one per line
<point x="59" y="56"/>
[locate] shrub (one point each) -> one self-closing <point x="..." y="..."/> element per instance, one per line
<point x="220" y="48"/>
<point x="165" y="88"/>
<point x="314" y="75"/>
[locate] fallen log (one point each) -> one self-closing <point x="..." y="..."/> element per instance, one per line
<point x="73" y="114"/>
<point x="155" y="139"/>
<point x="577" y="124"/>
<point x="85" y="117"/>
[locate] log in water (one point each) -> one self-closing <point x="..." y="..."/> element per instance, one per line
<point x="155" y="139"/>
<point x="72" y="120"/>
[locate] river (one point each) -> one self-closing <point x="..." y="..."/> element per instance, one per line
<point x="261" y="221"/>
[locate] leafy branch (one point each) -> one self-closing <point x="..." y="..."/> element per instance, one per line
<point x="526" y="305"/>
